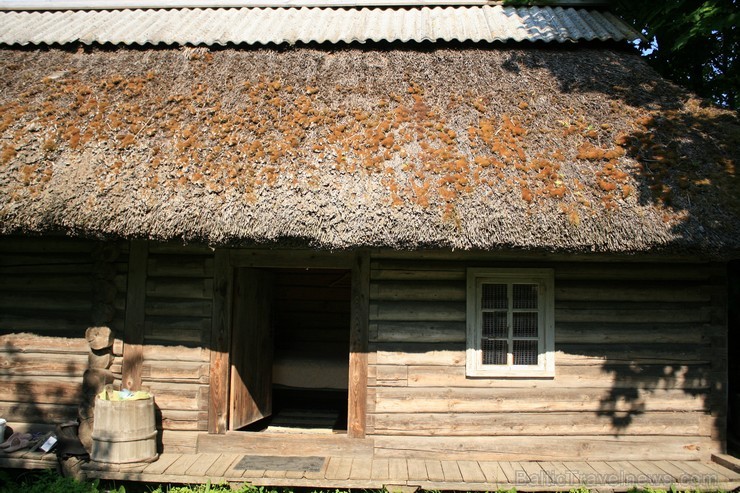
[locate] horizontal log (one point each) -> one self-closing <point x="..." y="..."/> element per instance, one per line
<point x="437" y="311"/>
<point x="55" y="323"/>
<point x="418" y="291"/>
<point x="642" y="268"/>
<point x="635" y="333"/>
<point x="183" y="420"/>
<point x="46" y="302"/>
<point x="447" y="354"/>
<point x="186" y="288"/>
<point x="180" y="266"/>
<point x="180" y="396"/>
<point x="185" y="329"/>
<point x="35" y="268"/>
<point x="34" y="283"/>
<point x="647" y="377"/>
<point x="670" y="354"/>
<point x="163" y="336"/>
<point x="637" y="271"/>
<point x="480" y="400"/>
<point x="175" y="352"/>
<point x="391" y="375"/>
<point x="632" y="313"/>
<point x="10" y="263"/>
<point x="593" y="448"/>
<point x="180" y="442"/>
<point x="42" y="364"/>
<point x="62" y="391"/>
<point x="45" y="245"/>
<point x="391" y="331"/>
<point x="537" y="424"/>
<point x="23" y="342"/>
<point x="34" y="412"/>
<point x="171" y="371"/>
<point x="617" y="291"/>
<point x="178" y="308"/>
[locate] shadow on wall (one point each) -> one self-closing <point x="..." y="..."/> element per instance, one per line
<point x="30" y="396"/>
<point x="687" y="154"/>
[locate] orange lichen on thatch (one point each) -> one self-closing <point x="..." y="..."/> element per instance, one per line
<point x="427" y="149"/>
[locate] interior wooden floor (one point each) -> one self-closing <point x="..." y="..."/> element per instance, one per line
<point x="373" y="473"/>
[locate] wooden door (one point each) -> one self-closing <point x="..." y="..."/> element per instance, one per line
<point x="251" y="348"/>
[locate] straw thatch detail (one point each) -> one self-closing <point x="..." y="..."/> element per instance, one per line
<point x="581" y="150"/>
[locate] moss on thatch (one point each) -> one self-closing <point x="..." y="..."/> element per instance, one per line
<point x="576" y="150"/>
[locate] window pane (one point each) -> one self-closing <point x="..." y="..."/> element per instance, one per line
<point x="494" y="352"/>
<point x="525" y="324"/>
<point x="525" y="352"/>
<point x="494" y="324"/>
<point x="494" y="297"/>
<point x="525" y="296"/>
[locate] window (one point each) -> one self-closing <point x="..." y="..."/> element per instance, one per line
<point x="510" y="323"/>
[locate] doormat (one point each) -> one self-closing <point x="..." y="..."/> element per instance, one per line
<point x="278" y="463"/>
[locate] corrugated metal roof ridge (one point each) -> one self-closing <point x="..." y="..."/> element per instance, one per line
<point x="310" y="24"/>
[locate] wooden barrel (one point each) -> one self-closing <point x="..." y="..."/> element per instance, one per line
<point x="124" y="431"/>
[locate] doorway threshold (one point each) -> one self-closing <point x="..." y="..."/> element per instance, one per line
<point x="285" y="444"/>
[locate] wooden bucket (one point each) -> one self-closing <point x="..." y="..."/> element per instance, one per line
<point x="124" y="431"/>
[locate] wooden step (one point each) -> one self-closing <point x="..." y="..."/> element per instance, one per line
<point x="285" y="444"/>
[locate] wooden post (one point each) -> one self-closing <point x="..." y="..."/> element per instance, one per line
<point x="358" y="346"/>
<point x="218" y="401"/>
<point x="133" y="336"/>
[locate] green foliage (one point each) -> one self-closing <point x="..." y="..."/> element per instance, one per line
<point x="692" y="42"/>
<point x="47" y="482"/>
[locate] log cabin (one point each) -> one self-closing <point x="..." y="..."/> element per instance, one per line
<point x="436" y="230"/>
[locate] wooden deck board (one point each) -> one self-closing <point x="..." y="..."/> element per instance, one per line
<point x="161" y="464"/>
<point x="219" y="467"/>
<point x="434" y="470"/>
<point x="417" y="470"/>
<point x="380" y="470"/>
<point x="342" y="472"/>
<point x="723" y="471"/>
<point x="451" y="471"/>
<point x="202" y="464"/>
<point x="182" y="465"/>
<point x="361" y="468"/>
<point x="534" y="472"/>
<point x="508" y="469"/>
<point x="492" y="472"/>
<point x="398" y="470"/>
<point x="345" y="468"/>
<point x="652" y="471"/>
<point x="670" y="468"/>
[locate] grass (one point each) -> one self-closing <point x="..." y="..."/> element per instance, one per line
<point x="52" y="482"/>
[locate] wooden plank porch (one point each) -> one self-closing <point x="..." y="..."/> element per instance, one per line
<point x="339" y="471"/>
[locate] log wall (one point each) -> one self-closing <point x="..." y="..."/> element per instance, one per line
<point x="640" y="366"/>
<point x="177" y="301"/>
<point x="51" y="290"/>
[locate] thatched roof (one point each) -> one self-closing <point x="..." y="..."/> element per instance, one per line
<point x="561" y="150"/>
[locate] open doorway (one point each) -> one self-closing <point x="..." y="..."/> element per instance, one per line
<point x="290" y="350"/>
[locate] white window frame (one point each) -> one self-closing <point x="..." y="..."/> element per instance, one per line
<point x="544" y="278"/>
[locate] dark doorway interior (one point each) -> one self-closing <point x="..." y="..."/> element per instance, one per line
<point x="310" y="320"/>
